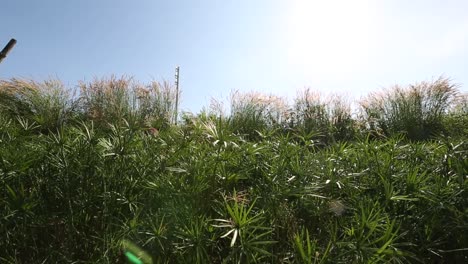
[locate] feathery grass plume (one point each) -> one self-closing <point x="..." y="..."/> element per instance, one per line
<point x="104" y="100"/>
<point x="160" y="103"/>
<point x="311" y="112"/>
<point x="15" y="97"/>
<point x="117" y="99"/>
<point x="328" y="116"/>
<point x="456" y="121"/>
<point x="214" y="112"/>
<point x="416" y="111"/>
<point x="342" y="123"/>
<point x="216" y="108"/>
<point x="47" y="103"/>
<point x="253" y="112"/>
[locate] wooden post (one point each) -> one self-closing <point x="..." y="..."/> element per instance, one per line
<point x="7" y="49"/>
<point x="177" y="94"/>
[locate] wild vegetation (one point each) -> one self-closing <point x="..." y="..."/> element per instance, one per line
<point x="86" y="175"/>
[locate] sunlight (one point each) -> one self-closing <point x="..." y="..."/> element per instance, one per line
<point x="333" y="37"/>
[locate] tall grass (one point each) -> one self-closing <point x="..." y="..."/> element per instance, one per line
<point x="416" y="111"/>
<point x="106" y="100"/>
<point x="327" y="118"/>
<point x="214" y="191"/>
<point x="456" y="121"/>
<point x="254" y="112"/>
<point x="311" y="115"/>
<point x="47" y="103"/>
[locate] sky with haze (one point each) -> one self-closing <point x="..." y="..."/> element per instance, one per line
<point x="350" y="47"/>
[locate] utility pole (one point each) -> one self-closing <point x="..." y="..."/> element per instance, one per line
<point x="177" y="94"/>
<point x="7" y="49"/>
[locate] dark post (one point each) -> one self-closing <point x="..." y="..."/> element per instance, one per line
<point x="177" y="94"/>
<point x="7" y="49"/>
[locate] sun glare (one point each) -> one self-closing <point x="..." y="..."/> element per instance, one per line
<point x="329" y="36"/>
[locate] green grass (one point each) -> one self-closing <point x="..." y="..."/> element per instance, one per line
<point x="82" y="181"/>
<point x="416" y="111"/>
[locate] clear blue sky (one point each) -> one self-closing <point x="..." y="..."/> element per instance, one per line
<point x="350" y="47"/>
